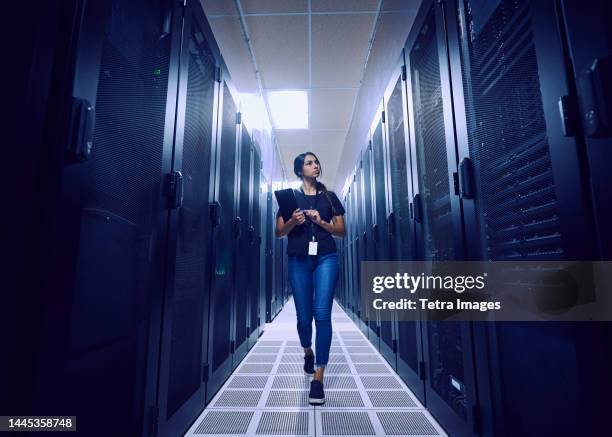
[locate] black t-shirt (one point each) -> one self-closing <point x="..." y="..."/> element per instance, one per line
<point x="300" y="235"/>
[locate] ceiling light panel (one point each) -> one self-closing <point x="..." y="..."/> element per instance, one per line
<point x="289" y="109"/>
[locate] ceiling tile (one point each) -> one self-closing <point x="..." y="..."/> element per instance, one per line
<point x="339" y="48"/>
<point x="273" y="6"/>
<point x="344" y="5"/>
<point x="331" y="109"/>
<point x="327" y="140"/>
<point x="218" y="7"/>
<point x="399" y="5"/>
<point x="229" y="37"/>
<point x="280" y="44"/>
<point x="293" y="139"/>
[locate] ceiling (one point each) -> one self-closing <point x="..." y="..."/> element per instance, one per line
<point x="341" y="51"/>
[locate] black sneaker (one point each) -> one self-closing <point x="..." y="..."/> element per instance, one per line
<point x="316" y="395"/>
<point x="309" y="365"/>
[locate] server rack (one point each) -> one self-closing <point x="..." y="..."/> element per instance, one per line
<point x="407" y="334"/>
<point x="130" y="162"/>
<point x="255" y="247"/>
<point x="448" y="348"/>
<point x="380" y="230"/>
<point x="542" y="211"/>
<point x="104" y="257"/>
<point x="270" y="243"/>
<point x="184" y="337"/>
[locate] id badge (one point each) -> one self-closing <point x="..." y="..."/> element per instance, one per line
<point x="312" y="247"/>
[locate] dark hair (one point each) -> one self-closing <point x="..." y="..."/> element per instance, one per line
<point x="298" y="163"/>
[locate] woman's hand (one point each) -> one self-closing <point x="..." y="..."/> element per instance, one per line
<point x="314" y="215"/>
<point x="298" y="217"/>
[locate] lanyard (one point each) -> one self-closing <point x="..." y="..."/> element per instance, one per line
<point x="311" y="207"/>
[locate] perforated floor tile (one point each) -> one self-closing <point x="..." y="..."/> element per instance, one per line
<point x="337" y="368"/>
<point x="391" y="399"/>
<point x="350" y="343"/>
<point x="291" y="381"/>
<point x="292" y="358"/>
<point x="360" y="350"/>
<point x="337" y="359"/>
<point x="406" y="423"/>
<point x="346" y="423"/>
<point x="363" y="368"/>
<point x="268" y="394"/>
<point x="248" y="381"/>
<point x="366" y="358"/>
<point x="264" y="358"/>
<point x="224" y="422"/>
<point x="283" y="423"/>
<point x="380" y="382"/>
<point x="343" y="399"/>
<point x="287" y="398"/>
<point x="266" y="349"/>
<point x="297" y="369"/>
<point x="332" y="382"/>
<point x="238" y="398"/>
<point x="255" y="368"/>
<point x="270" y="343"/>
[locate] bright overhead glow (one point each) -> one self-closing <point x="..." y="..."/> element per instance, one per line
<point x="289" y="109"/>
<point x="254" y="111"/>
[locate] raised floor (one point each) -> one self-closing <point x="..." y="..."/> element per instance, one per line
<point x="267" y="395"/>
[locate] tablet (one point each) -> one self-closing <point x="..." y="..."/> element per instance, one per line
<point x="287" y="203"/>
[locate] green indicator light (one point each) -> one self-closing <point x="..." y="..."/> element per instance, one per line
<point x="157" y="72"/>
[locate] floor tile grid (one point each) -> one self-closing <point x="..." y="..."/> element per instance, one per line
<point x="342" y="332"/>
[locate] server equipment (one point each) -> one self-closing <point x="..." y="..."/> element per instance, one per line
<point x="149" y="184"/>
<point x="490" y="148"/>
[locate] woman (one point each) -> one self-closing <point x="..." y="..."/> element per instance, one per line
<point x="313" y="264"/>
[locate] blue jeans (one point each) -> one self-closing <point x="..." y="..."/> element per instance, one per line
<point x="313" y="280"/>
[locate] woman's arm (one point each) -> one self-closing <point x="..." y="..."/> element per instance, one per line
<point x="336" y="227"/>
<point x="283" y="228"/>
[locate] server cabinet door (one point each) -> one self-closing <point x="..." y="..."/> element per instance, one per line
<point x="277" y="267"/>
<point x="241" y="292"/>
<point x="361" y="240"/>
<point x="270" y="226"/>
<point x="591" y="56"/>
<point x="450" y="389"/>
<point x="254" y="289"/>
<point x="355" y="259"/>
<point x="401" y="225"/>
<point x="185" y="325"/>
<point x="379" y="192"/>
<point x="103" y="292"/>
<point x="530" y="198"/>
<point x="380" y="230"/>
<point x="221" y="344"/>
<point x="358" y="244"/>
<point x="369" y="239"/>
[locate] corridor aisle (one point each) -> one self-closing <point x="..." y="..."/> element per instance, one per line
<point x="268" y="393"/>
